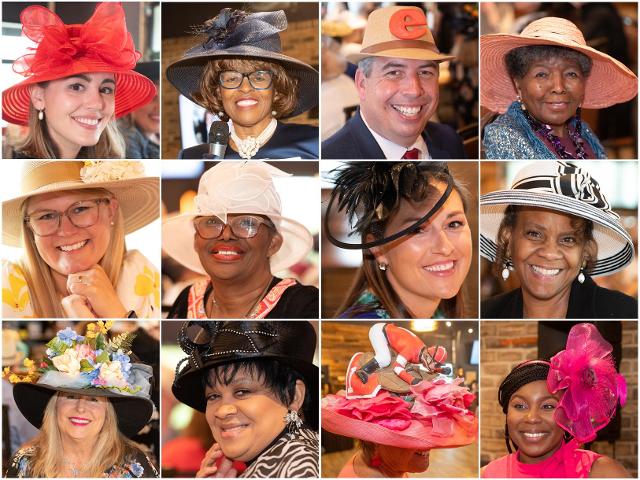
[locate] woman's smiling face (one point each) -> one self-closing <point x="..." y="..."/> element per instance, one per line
<point x="76" y="109"/>
<point x="531" y="422"/>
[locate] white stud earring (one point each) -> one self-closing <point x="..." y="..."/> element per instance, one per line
<point x="220" y="114"/>
<point x="383" y="266"/>
<point x="112" y="223"/>
<point x="40" y="115"/>
<point x="274" y="113"/>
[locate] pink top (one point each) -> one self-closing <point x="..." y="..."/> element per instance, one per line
<point x="348" y="471"/>
<point x="567" y="462"/>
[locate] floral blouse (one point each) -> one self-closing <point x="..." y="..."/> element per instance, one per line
<point x="138" y="288"/>
<point x="135" y="465"/>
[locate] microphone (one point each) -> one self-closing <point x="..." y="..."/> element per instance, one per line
<point x="444" y="370"/>
<point x="218" y="140"/>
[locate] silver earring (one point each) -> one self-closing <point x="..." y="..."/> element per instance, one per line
<point x="220" y="114"/>
<point x="383" y="266"/>
<point x="40" y="115"/>
<point x="522" y="107"/>
<point x="505" y="273"/>
<point x="293" y="421"/>
<point x="581" y="274"/>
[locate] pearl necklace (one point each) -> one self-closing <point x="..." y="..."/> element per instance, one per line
<point x="248" y="147"/>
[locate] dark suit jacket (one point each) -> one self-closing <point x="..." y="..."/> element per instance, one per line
<point x="288" y="141"/>
<point x="354" y="141"/>
<point x="586" y="300"/>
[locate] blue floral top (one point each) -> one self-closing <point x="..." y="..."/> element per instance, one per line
<point x="136" y="465"/>
<point x="369" y="306"/>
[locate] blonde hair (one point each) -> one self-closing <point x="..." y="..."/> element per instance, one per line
<point x="44" y="298"/>
<point x="38" y="143"/>
<point x="109" y="449"/>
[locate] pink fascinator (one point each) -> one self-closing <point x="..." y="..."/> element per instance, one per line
<point x="586" y="374"/>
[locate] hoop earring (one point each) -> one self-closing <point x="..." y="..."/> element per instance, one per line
<point x="293" y="421"/>
<point x="383" y="266"/>
<point x="40" y="115"/>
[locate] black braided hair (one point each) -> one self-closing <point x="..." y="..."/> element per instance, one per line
<point x="521" y="375"/>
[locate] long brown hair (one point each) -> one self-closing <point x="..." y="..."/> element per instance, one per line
<point x="370" y="277"/>
<point x="44" y="297"/>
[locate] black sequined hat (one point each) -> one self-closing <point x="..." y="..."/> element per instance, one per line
<point x="292" y="343"/>
<point x="237" y="34"/>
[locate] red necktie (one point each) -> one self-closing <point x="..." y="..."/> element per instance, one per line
<point x="412" y="154"/>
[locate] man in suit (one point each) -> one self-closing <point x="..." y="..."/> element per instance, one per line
<point x="397" y="82"/>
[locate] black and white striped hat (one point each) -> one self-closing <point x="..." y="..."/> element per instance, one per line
<point x="566" y="188"/>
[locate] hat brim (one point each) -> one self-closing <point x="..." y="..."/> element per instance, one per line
<point x="138" y="199"/>
<point x="406" y="53"/>
<point x="189" y="385"/>
<point x="132" y="91"/>
<point x="178" y="233"/>
<point x="417" y="436"/>
<point x="610" y="81"/>
<point x="132" y="412"/>
<point x="185" y="73"/>
<point x="615" y="247"/>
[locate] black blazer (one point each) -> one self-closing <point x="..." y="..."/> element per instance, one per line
<point x="586" y="300"/>
<point x="354" y="141"/>
<point x="288" y="141"/>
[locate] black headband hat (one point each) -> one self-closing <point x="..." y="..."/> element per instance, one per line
<point x="369" y="192"/>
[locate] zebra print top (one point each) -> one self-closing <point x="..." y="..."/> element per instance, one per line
<point x="293" y="455"/>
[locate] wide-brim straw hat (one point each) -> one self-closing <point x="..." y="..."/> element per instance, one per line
<point x="102" y="44"/>
<point x="132" y="411"/>
<point x="398" y="32"/>
<point x="254" y="37"/>
<point x="610" y="81"/>
<point x="565" y="188"/>
<point x="137" y="195"/>
<point x="292" y="343"/>
<point x="237" y="187"/>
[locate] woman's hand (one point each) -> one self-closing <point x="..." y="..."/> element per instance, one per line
<point x="94" y="285"/>
<point x="76" y="306"/>
<point x="208" y="467"/>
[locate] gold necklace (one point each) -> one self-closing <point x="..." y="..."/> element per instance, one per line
<point x="252" y="310"/>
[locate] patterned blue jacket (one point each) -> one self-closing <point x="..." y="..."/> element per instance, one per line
<point x="510" y="137"/>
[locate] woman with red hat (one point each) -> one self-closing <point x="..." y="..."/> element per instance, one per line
<point x="79" y="79"/>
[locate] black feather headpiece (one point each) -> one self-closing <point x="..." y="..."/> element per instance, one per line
<point x="369" y="191"/>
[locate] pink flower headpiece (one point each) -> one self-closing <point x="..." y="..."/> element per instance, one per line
<point x="586" y="375"/>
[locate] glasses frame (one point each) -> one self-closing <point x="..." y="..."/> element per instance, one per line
<point x="97" y="201"/>
<point x="262" y="221"/>
<point x="248" y="77"/>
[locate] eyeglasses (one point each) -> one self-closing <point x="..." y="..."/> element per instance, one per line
<point x="242" y="226"/>
<point x="259" y="80"/>
<point x="82" y="214"/>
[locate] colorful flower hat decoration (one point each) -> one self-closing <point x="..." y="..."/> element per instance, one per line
<point x="591" y="387"/>
<point x="434" y="414"/>
<point x="90" y="365"/>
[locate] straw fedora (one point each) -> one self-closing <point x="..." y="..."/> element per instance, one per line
<point x="565" y="188"/>
<point x="102" y="44"/>
<point x="137" y="195"/>
<point x="610" y="81"/>
<point x="232" y="187"/>
<point x="398" y="32"/>
<point x="252" y="36"/>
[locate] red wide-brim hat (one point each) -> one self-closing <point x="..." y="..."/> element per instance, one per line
<point x="436" y="417"/>
<point x="102" y="44"/>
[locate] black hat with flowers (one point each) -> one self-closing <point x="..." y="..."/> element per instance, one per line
<point x="89" y="365"/>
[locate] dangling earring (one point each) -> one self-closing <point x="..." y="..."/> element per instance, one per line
<point x="581" y="274"/>
<point x="40" y="115"/>
<point x="383" y="266"/>
<point x="293" y="421"/>
<point x="522" y="107"/>
<point x="505" y="272"/>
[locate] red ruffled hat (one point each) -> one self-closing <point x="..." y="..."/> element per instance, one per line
<point x="434" y="414"/>
<point x="102" y="44"/>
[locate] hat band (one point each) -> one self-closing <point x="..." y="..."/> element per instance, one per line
<point x="49" y="173"/>
<point x="393" y="44"/>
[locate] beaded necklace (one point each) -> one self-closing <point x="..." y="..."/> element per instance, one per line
<point x="575" y="136"/>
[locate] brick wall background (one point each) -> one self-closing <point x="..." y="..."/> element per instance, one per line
<point x="299" y="41"/>
<point x="505" y="344"/>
